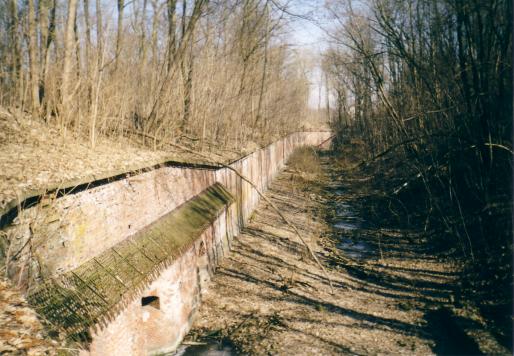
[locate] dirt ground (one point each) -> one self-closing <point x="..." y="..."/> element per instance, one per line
<point x="390" y="294"/>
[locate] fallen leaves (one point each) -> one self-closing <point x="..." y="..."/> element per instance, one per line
<point x="21" y="332"/>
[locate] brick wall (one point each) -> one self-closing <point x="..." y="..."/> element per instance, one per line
<point x="75" y="228"/>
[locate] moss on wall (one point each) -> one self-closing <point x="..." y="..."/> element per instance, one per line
<point x="94" y="292"/>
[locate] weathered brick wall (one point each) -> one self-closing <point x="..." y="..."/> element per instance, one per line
<point x="262" y="166"/>
<point x="77" y="227"/>
<point x="180" y="286"/>
<point x="70" y="230"/>
<point x="140" y="330"/>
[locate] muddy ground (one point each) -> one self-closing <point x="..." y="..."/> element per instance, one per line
<point x="391" y="295"/>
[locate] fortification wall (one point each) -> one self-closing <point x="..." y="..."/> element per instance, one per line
<point x="67" y="231"/>
<point x="145" y="329"/>
<point x="74" y="228"/>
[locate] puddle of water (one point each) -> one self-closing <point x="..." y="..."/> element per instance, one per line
<point x="347" y="219"/>
<point x="356" y="250"/>
<point x="345" y="225"/>
<point x="344" y="210"/>
<point x="210" y="349"/>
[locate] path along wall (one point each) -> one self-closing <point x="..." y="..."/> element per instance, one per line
<point x="64" y="233"/>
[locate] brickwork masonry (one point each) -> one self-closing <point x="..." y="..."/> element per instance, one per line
<point x="60" y="234"/>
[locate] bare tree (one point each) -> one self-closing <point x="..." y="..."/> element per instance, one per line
<point x="430" y="85"/>
<point x="33" y="59"/>
<point x="87" y="29"/>
<point x="171" y="9"/>
<point x="69" y="44"/>
<point x="172" y="70"/>
<point x="119" y="30"/>
<point x="15" y="67"/>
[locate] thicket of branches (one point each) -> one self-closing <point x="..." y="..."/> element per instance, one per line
<point x="211" y="71"/>
<point x="429" y="82"/>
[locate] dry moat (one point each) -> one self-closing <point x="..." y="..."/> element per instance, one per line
<point x="385" y="288"/>
<point x="391" y="293"/>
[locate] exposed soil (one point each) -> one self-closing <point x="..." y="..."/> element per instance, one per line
<point x="391" y="295"/>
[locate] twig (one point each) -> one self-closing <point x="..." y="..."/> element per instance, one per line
<point x="417" y="138"/>
<point x="193" y="343"/>
<point x="25" y="244"/>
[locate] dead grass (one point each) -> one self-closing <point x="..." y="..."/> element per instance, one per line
<point x="269" y="299"/>
<point x="304" y="160"/>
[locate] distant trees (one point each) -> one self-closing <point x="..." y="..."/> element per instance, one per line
<point x="164" y="69"/>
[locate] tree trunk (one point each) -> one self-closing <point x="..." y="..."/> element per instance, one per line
<point x="88" y="51"/>
<point x="121" y="8"/>
<point x="15" y="51"/>
<point x="187" y="75"/>
<point x="46" y="54"/>
<point x="264" y="71"/>
<point x="33" y="59"/>
<point x="171" y="32"/>
<point x="99" y="34"/>
<point x="43" y="29"/>
<point x="156" y="12"/>
<point x="142" y="45"/>
<point x="69" y="43"/>
<point x="187" y="72"/>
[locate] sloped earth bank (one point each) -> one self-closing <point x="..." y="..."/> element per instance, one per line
<point x="391" y="295"/>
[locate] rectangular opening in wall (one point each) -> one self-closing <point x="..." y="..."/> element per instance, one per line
<point x="151" y="301"/>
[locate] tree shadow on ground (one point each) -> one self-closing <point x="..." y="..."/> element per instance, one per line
<point x="448" y="336"/>
<point x="428" y="288"/>
<point x="432" y="289"/>
<point x="261" y="273"/>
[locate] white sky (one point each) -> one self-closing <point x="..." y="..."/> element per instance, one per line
<point x="308" y="37"/>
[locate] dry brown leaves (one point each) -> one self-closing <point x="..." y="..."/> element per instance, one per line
<point x="35" y="155"/>
<point x="267" y="298"/>
<point x="21" y="332"/>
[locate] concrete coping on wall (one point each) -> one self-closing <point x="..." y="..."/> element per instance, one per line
<point x="91" y="295"/>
